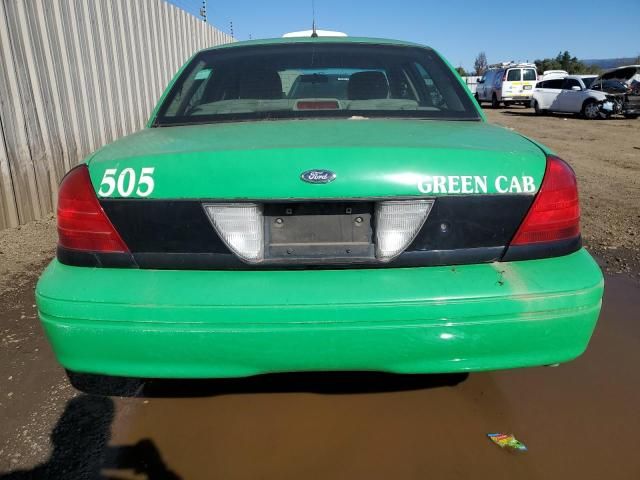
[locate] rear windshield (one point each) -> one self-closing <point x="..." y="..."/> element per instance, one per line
<point x="514" y="75"/>
<point x="315" y="80"/>
<point x="529" y="74"/>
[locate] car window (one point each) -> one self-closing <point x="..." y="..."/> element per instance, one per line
<point x="313" y="80"/>
<point x="514" y="75"/>
<point x="540" y="84"/>
<point x="556" y="84"/>
<point x="588" y="81"/>
<point x="315" y="84"/>
<point x="529" y="74"/>
<point x="570" y="82"/>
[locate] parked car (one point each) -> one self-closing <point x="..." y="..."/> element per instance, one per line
<point x="246" y="230"/>
<point x="508" y="83"/>
<point x="623" y="86"/>
<point x="571" y="94"/>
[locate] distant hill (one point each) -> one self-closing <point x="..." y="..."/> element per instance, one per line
<point x="606" y="63"/>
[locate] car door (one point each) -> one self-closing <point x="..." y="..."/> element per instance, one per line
<point x="529" y="78"/>
<point x="548" y="94"/>
<point x="538" y="94"/>
<point x="570" y="100"/>
<point x="482" y="87"/>
<point x="512" y="86"/>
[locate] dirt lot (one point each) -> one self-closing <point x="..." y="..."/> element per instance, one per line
<point x="606" y="158"/>
<point x="579" y="420"/>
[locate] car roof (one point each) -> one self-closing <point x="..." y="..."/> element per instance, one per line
<point x="316" y="40"/>
<point x="581" y="76"/>
<point x="507" y="66"/>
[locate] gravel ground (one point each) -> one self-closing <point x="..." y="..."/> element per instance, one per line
<point x="23" y="250"/>
<point x="606" y="157"/>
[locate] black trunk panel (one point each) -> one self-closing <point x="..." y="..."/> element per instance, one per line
<point x="471" y="222"/>
<point x="177" y="233"/>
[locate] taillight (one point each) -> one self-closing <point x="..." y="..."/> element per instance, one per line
<point x="240" y="225"/>
<point x="82" y="223"/>
<point x="397" y="224"/>
<point x="555" y="213"/>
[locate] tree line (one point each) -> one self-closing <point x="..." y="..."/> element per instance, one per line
<point x="562" y="61"/>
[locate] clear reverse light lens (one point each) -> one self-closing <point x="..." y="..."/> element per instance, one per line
<point x="240" y="226"/>
<point x="397" y="224"/>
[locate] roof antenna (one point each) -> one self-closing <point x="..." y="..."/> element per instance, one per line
<point x="314" y="34"/>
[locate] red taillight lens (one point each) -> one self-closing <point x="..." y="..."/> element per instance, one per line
<point x="555" y="213"/>
<point x="82" y="223"/>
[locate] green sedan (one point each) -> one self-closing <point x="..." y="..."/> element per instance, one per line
<point x="315" y="204"/>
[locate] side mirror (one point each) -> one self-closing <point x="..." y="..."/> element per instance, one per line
<point x="576" y="88"/>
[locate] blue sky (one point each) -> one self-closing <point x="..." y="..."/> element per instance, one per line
<point x="459" y="30"/>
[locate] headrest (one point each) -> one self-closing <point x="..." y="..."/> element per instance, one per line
<point x="368" y="86"/>
<point x="260" y="84"/>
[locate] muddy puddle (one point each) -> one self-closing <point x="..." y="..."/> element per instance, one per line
<point x="579" y="420"/>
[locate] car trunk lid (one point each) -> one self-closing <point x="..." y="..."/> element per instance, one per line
<point x="370" y="158"/>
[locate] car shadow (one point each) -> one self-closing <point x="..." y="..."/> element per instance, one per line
<point x="524" y="113"/>
<point x="81" y="451"/>
<point x="326" y="383"/>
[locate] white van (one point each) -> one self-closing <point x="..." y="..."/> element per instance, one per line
<point x="507" y="83"/>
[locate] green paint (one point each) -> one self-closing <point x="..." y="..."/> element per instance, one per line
<point x="289" y="40"/>
<point x="231" y="323"/>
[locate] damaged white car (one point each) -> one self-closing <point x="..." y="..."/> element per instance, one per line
<point x="622" y="84"/>
<point x="572" y="94"/>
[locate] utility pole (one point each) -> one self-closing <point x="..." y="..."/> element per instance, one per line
<point x="231" y="27"/>
<point x="203" y="11"/>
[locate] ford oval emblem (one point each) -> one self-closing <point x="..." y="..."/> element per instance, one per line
<point x="318" y="176"/>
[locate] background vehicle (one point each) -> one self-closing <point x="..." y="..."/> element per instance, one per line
<point x="550" y="74"/>
<point x="623" y="85"/>
<point x="507" y="83"/>
<point x="570" y="95"/>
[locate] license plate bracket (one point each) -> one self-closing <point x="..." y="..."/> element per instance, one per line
<point x="319" y="231"/>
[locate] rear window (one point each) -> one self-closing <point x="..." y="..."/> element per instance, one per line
<point x="514" y="75"/>
<point x="315" y="80"/>
<point x="529" y="74"/>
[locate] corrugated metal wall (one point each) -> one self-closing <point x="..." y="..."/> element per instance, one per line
<point x="74" y="75"/>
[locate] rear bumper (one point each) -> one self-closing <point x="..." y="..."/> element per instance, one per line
<point x="517" y="98"/>
<point x="198" y="324"/>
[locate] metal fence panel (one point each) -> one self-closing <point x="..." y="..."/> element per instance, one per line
<point x="75" y="75"/>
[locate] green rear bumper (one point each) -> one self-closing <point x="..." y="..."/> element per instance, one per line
<point x="191" y="324"/>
